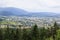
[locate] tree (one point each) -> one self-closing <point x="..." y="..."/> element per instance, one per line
<point x="54" y="30"/>
<point x="12" y="35"/>
<point x="24" y="36"/>
<point x="55" y="26"/>
<point x="35" y="33"/>
<point x="20" y="32"/>
<point x="42" y="33"/>
<point x="17" y="35"/>
<point x="7" y="33"/>
<point x="1" y="34"/>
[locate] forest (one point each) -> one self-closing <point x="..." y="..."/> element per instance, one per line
<point x="33" y="33"/>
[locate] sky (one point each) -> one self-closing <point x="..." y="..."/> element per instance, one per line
<point x="33" y="5"/>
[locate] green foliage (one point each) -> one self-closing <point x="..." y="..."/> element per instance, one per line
<point x="33" y="33"/>
<point x="1" y="34"/>
<point x="24" y="36"/>
<point x="12" y="35"/>
<point x="7" y="32"/>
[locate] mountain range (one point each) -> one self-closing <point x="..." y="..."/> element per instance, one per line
<point x="10" y="11"/>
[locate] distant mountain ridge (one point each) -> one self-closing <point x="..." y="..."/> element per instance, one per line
<point x="20" y="12"/>
<point x="12" y="11"/>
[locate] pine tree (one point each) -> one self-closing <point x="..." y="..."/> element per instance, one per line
<point x="17" y="34"/>
<point x="54" y="30"/>
<point x="1" y="34"/>
<point x="24" y="36"/>
<point x="35" y="33"/>
<point x="12" y="35"/>
<point x="55" y="26"/>
<point x="42" y="33"/>
<point x="7" y="32"/>
<point x="20" y="32"/>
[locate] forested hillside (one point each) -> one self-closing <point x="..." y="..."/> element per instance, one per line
<point x="33" y="33"/>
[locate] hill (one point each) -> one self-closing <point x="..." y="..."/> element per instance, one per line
<point x="10" y="11"/>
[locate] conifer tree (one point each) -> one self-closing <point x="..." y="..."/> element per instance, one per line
<point x="20" y="32"/>
<point x="7" y="33"/>
<point x="54" y="30"/>
<point x="12" y="35"/>
<point x="1" y="34"/>
<point x="55" y="26"/>
<point x="24" y="36"/>
<point x="17" y="35"/>
<point x="35" y="33"/>
<point x="42" y="33"/>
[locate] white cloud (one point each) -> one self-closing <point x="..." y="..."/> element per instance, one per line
<point x="33" y="5"/>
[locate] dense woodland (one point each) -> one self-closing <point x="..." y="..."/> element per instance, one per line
<point x="33" y="33"/>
